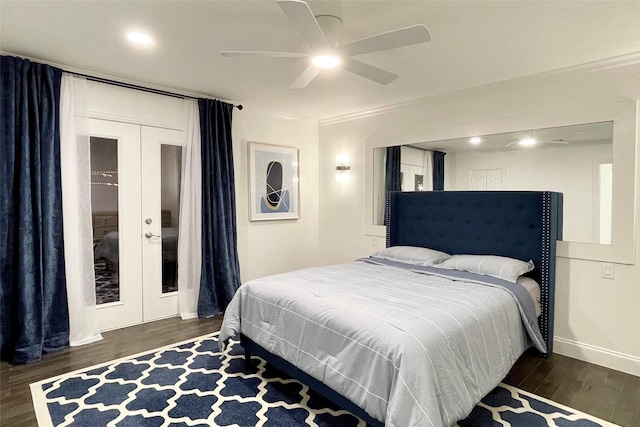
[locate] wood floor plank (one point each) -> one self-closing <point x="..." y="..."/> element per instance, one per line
<point x="522" y="369"/>
<point x="627" y="412"/>
<point x="535" y="378"/>
<point x="561" y="374"/>
<point x="600" y="392"/>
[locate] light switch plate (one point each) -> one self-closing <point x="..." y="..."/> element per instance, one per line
<point x="608" y="270"/>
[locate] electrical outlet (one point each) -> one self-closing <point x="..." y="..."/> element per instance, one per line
<point x="608" y="270"/>
<point x="374" y="242"/>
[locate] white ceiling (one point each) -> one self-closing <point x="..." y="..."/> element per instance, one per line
<point x="473" y="43"/>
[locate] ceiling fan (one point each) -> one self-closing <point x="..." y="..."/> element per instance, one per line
<point x="321" y="34"/>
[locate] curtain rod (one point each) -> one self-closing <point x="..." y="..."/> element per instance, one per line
<point x="418" y="148"/>
<point x="137" y="87"/>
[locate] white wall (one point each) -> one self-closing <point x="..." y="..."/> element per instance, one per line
<point x="269" y="247"/>
<point x="597" y="319"/>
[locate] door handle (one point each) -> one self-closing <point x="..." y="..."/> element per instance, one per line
<point x="149" y="235"/>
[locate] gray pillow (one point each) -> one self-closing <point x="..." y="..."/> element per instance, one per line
<point x="504" y="268"/>
<point x="412" y="255"/>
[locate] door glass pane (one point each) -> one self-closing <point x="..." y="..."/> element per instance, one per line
<point x="104" y="207"/>
<point x="170" y="172"/>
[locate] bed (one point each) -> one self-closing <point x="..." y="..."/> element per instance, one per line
<point x="399" y="343"/>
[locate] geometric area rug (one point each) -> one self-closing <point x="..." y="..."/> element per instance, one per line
<point x="192" y="384"/>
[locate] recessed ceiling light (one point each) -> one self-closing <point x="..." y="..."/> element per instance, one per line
<point x="527" y="142"/>
<point x="475" y="140"/>
<point x="326" y="61"/>
<point x="139" y="38"/>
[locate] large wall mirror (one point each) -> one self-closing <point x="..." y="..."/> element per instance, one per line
<point x="591" y="163"/>
<point x="575" y="160"/>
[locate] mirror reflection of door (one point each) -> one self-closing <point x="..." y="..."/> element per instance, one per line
<point x="135" y="190"/>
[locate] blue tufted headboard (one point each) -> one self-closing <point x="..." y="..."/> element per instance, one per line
<point x="517" y="224"/>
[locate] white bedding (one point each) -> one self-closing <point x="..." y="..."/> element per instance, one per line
<point x="409" y="348"/>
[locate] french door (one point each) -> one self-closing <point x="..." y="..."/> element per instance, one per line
<point x="135" y="202"/>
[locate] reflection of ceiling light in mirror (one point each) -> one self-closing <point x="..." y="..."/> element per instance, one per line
<point x="527" y="142"/>
<point x="326" y="61"/>
<point x="139" y="38"/>
<point x="475" y="140"/>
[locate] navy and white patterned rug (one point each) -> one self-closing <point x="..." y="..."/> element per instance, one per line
<point x="189" y="384"/>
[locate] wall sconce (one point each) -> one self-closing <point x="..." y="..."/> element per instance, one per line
<point x="342" y="168"/>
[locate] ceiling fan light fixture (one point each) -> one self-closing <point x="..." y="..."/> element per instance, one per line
<point x="326" y="61"/>
<point x="322" y="33"/>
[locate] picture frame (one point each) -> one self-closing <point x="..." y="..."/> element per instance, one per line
<point x="273" y="182"/>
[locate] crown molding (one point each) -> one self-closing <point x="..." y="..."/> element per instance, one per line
<point x="277" y="114"/>
<point x="619" y="61"/>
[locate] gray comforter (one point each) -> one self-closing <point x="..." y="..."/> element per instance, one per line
<point x="411" y="349"/>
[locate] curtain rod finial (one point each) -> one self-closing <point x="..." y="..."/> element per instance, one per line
<point x="239" y="107"/>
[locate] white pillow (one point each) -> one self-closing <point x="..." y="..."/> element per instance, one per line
<point x="412" y="255"/>
<point x="504" y="268"/>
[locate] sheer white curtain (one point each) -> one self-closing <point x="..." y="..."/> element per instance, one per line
<point x="189" y="238"/>
<point x="427" y="173"/>
<point x="75" y="163"/>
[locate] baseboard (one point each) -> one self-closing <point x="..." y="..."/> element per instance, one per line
<point x="597" y="355"/>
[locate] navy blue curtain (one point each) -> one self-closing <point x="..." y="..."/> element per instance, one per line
<point x="220" y="268"/>
<point x="438" y="170"/>
<point x="34" y="315"/>
<point x="393" y="176"/>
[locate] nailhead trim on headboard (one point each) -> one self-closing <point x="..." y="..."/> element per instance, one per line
<point x="544" y="268"/>
<point x="387" y="218"/>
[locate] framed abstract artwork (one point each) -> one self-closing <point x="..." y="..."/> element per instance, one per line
<point x="273" y="182"/>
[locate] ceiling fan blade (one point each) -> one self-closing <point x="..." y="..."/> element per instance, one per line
<point x="391" y="40"/>
<point x="302" y="17"/>
<point x="261" y="53"/>
<point x="368" y="71"/>
<point x="305" y="77"/>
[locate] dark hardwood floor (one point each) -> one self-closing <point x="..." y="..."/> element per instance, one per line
<point x="604" y="393"/>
